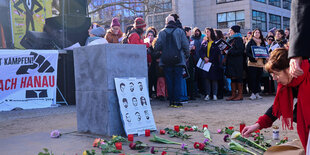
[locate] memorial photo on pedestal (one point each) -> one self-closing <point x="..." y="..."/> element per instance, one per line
<point x="131" y="86"/>
<point x="147" y="115"/>
<point x="140" y="86"/>
<point x="138" y="116"/>
<point x="125" y="102"/>
<point x="134" y="101"/>
<point x="122" y="87"/>
<point x="128" y="118"/>
<point x="143" y="101"/>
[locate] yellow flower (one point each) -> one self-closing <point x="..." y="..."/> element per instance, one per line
<point x="85" y="153"/>
<point x="114" y="137"/>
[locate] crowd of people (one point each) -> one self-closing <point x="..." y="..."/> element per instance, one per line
<point x="173" y="53"/>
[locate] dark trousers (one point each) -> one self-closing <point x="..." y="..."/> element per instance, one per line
<point x="254" y="76"/>
<point x="152" y="75"/>
<point x="174" y="76"/>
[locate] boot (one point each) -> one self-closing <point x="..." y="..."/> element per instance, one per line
<point x="240" y="93"/>
<point x="233" y="91"/>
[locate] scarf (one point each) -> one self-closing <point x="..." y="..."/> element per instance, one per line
<point x="283" y="104"/>
<point x="257" y="41"/>
<point x="234" y="36"/>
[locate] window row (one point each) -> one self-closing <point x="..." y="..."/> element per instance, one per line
<point x="286" y="4"/>
<point x="259" y="20"/>
<point x="225" y="1"/>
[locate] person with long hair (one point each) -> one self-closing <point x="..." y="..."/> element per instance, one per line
<point x="221" y="82"/>
<point x="210" y="53"/>
<point x="255" y="65"/>
<point x="234" y="63"/>
<point x="135" y="36"/>
<point x="288" y="88"/>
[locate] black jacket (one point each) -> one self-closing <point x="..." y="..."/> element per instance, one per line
<point x="299" y="29"/>
<point x="234" y="59"/>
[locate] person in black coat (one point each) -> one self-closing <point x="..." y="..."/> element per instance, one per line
<point x="299" y="35"/>
<point x="234" y="63"/>
<point x="209" y="52"/>
<point x="255" y="65"/>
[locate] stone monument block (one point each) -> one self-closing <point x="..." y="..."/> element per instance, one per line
<point x="96" y="99"/>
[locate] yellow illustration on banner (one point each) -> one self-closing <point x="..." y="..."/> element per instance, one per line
<point x="28" y="15"/>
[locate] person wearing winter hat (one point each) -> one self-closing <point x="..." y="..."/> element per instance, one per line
<point x="234" y="63"/>
<point x="135" y="36"/>
<point x="95" y="33"/>
<point x="114" y="35"/>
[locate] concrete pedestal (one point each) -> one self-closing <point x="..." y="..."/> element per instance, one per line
<point x="96" y="99"/>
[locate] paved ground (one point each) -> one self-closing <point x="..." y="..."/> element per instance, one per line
<point x="26" y="132"/>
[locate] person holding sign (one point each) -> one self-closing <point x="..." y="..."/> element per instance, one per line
<point x="234" y="63"/>
<point x="210" y="53"/>
<point x="255" y="64"/>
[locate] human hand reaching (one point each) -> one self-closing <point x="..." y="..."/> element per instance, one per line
<point x="246" y="132"/>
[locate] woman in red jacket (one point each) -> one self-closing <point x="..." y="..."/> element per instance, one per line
<point x="278" y="66"/>
<point x="135" y="36"/>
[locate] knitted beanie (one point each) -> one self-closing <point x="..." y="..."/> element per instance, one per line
<point x="99" y="31"/>
<point x="236" y="28"/>
<point x="139" y="23"/>
<point x="115" y="22"/>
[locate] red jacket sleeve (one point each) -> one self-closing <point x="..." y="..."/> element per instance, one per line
<point x="264" y="121"/>
<point x="135" y="39"/>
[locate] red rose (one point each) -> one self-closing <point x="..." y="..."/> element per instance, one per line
<point x="162" y="132"/>
<point x="132" y="146"/>
<point x="201" y="146"/>
<point x="196" y="145"/>
<point x="257" y="131"/>
<point x="231" y="127"/>
<point x="186" y="129"/>
<point x="164" y="153"/>
<point x="191" y="129"/>
<point x="285" y="138"/>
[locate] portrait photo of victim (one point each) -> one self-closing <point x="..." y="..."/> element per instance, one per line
<point x="143" y="101"/>
<point x="140" y="86"/>
<point x="131" y="86"/>
<point x="125" y="103"/>
<point x="128" y="117"/>
<point x="122" y="87"/>
<point x="138" y="116"/>
<point x="147" y="115"/>
<point x="134" y="101"/>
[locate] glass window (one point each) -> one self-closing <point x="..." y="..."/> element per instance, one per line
<point x="286" y="22"/>
<point x="226" y="1"/>
<point x="287" y="4"/>
<point x="259" y="20"/>
<point x="275" y="3"/>
<point x="228" y="19"/>
<point x="263" y="1"/>
<point x="274" y="21"/>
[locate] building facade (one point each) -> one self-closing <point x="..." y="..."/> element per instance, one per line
<point x="222" y="14"/>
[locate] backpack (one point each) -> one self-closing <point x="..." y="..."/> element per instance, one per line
<point x="171" y="55"/>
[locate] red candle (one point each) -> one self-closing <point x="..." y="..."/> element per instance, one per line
<point x="242" y="125"/>
<point x="205" y="126"/>
<point x="130" y="137"/>
<point x="162" y="132"/>
<point x="176" y="128"/>
<point x="147" y="132"/>
<point x="118" y="145"/>
<point x="231" y="127"/>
